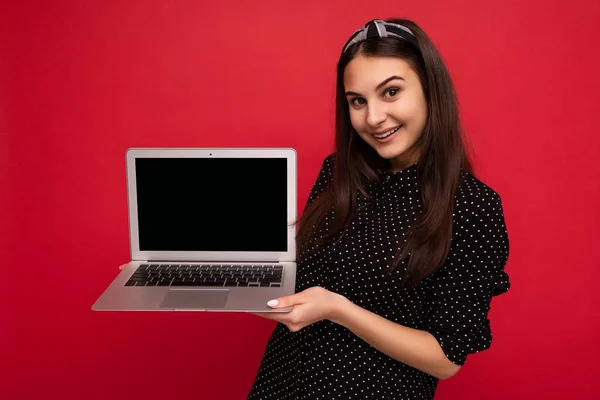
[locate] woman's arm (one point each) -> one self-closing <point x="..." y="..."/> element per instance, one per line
<point x="413" y="347"/>
<point x="416" y="348"/>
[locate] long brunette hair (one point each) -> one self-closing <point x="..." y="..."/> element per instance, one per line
<point x="442" y="156"/>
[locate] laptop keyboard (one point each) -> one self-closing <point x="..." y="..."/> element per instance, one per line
<point x="207" y="275"/>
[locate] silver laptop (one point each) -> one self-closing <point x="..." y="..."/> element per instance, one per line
<point x="210" y="230"/>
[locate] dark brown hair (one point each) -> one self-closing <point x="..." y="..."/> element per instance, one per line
<point x="442" y="155"/>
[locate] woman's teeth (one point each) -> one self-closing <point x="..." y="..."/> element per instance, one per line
<point x="383" y="136"/>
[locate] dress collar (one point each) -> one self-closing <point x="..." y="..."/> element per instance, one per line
<point x="406" y="179"/>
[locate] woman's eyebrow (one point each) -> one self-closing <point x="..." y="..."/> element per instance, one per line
<point x="391" y="78"/>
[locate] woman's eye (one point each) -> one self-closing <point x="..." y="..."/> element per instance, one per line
<point x="389" y="93"/>
<point x="392" y="91"/>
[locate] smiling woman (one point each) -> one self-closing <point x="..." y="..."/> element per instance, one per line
<point x="390" y="116"/>
<point x="400" y="247"/>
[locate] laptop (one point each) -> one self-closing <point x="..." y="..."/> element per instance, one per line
<point x="210" y="230"/>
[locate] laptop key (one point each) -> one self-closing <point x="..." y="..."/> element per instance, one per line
<point x="271" y="279"/>
<point x="211" y="284"/>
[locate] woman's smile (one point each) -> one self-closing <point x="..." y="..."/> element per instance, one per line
<point x="387" y="135"/>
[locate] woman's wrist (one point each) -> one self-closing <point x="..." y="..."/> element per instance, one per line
<point x="340" y="308"/>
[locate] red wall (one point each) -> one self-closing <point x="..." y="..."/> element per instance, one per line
<point x="82" y="81"/>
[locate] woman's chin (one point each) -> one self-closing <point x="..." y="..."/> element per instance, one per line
<point x="390" y="153"/>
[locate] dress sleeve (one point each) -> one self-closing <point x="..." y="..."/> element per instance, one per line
<point x="458" y="296"/>
<point x="323" y="179"/>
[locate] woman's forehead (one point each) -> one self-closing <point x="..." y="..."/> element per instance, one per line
<point x="370" y="71"/>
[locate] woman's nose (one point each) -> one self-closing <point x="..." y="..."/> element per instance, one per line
<point x="375" y="115"/>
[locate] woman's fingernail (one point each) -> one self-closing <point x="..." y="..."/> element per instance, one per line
<point x="272" y="303"/>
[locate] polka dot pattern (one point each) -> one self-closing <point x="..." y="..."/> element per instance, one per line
<point x="326" y="360"/>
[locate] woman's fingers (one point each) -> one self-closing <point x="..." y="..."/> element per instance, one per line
<point x="264" y="315"/>
<point x="273" y="316"/>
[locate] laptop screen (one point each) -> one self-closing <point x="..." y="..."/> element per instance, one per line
<point x="212" y="204"/>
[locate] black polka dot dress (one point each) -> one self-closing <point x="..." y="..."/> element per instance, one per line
<point x="327" y="361"/>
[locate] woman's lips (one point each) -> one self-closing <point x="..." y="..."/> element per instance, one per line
<point x="389" y="137"/>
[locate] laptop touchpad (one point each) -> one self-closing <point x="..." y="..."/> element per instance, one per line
<point x="195" y="298"/>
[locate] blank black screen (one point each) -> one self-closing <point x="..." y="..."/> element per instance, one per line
<point x="212" y="204"/>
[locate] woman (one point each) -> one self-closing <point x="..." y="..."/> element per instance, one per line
<point x="400" y="247"/>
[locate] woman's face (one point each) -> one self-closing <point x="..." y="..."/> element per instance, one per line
<point x="384" y="93"/>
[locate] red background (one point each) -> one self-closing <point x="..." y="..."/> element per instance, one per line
<point x="82" y="81"/>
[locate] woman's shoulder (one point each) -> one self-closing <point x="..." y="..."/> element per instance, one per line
<point x="326" y="170"/>
<point x="474" y="197"/>
<point x="329" y="160"/>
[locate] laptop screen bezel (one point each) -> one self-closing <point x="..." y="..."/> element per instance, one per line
<point x="226" y="256"/>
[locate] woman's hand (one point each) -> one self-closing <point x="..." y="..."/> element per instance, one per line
<point x="311" y="305"/>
